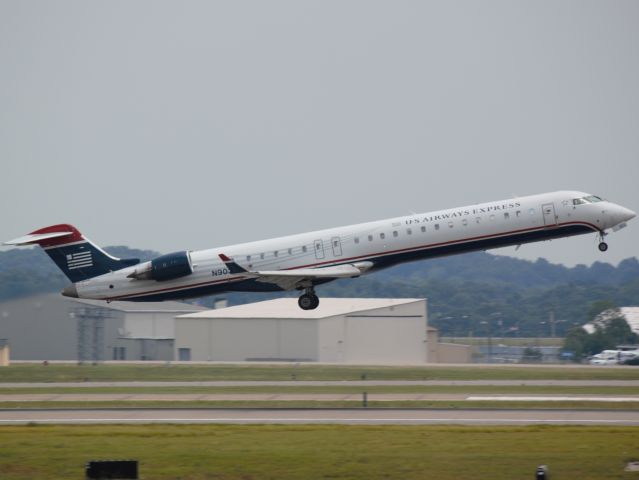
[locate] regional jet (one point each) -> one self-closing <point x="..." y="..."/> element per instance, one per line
<point x="301" y="262"/>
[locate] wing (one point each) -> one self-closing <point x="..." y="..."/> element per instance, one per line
<point x="299" y="277"/>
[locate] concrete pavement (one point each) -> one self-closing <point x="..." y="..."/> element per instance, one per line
<point x="362" y="416"/>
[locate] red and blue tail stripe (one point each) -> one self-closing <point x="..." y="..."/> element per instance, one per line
<point x="73" y="253"/>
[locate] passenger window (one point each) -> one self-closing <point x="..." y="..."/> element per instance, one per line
<point x="290" y="251"/>
<point x="478" y="219"/>
<point x="437" y="226"/>
<point x="275" y="253"/>
<point x="423" y="228"/>
<point x="465" y="222"/>
<point x="250" y="266"/>
<point x="370" y="238"/>
<point x="304" y="248"/>
<point x="450" y="224"/>
<point x="382" y="236"/>
<point x="506" y="215"/>
<point x="492" y="217"/>
<point x="531" y="211"/>
<point x="262" y="256"/>
<point x="518" y="212"/>
<point x="395" y="233"/>
<point x="248" y="258"/>
<point x="356" y="239"/>
<point x="409" y="231"/>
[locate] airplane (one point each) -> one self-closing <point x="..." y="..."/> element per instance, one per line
<point x="301" y="262"/>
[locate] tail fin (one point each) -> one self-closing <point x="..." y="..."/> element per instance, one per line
<point x="73" y="253"/>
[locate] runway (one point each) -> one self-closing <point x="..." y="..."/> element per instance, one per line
<point x="305" y="397"/>
<point x="362" y="416"/>
<point x="321" y="383"/>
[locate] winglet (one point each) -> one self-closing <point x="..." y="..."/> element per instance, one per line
<point x="232" y="265"/>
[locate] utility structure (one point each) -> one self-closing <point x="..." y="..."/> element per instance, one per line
<point x="90" y="331"/>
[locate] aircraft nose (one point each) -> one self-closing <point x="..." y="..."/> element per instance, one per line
<point x="626" y="214"/>
<point x="70" y="291"/>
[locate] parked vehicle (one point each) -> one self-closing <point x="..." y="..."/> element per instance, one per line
<point x="607" y="357"/>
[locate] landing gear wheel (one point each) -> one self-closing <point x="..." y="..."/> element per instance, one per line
<point x="315" y="302"/>
<point x="603" y="246"/>
<point x="308" y="301"/>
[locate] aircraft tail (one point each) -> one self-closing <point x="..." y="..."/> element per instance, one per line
<point x="73" y="253"/>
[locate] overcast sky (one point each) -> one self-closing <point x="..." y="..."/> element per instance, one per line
<point x="194" y="124"/>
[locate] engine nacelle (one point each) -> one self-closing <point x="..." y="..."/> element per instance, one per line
<point x="170" y="266"/>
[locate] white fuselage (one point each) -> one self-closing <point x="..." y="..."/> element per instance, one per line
<point x="381" y="244"/>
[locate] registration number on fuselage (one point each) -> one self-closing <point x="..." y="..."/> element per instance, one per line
<point x="220" y="271"/>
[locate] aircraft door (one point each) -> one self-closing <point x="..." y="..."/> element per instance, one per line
<point x="337" y="246"/>
<point x="550" y="219"/>
<point x="319" y="249"/>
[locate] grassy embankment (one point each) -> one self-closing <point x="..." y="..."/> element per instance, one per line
<point x="230" y="452"/>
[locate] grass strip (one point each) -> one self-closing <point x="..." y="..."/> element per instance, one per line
<point x="170" y="372"/>
<point x="300" y="389"/>
<point x="292" y="452"/>
<point x="439" y="404"/>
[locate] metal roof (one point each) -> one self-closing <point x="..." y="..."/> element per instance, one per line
<point x="631" y="314"/>
<point x="288" y="308"/>
<point x="143" y="307"/>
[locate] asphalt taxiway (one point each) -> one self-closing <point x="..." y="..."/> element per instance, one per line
<point x="331" y="383"/>
<point x="307" y="397"/>
<point x="361" y="416"/>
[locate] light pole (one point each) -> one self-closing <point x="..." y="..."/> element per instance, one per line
<point x="541" y="328"/>
<point x="500" y="322"/>
<point x="490" y="340"/>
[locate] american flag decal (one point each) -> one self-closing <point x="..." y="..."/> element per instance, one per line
<point x="79" y="260"/>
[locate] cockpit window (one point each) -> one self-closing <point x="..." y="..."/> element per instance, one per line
<point x="586" y="199"/>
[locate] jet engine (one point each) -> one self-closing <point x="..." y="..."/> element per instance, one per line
<point x="171" y="265"/>
<point x="165" y="267"/>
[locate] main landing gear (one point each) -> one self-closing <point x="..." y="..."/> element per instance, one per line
<point x="308" y="300"/>
<point x="603" y="246"/>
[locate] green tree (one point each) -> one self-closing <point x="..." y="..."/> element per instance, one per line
<point x="598" y="341"/>
<point x="600" y="306"/>
<point x="576" y="341"/>
<point x="619" y="332"/>
<point x="532" y="355"/>
<point x="614" y="331"/>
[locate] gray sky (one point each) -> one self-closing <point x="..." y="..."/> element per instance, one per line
<point x="193" y="124"/>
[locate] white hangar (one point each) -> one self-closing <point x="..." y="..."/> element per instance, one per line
<point x="52" y="327"/>
<point x="340" y="330"/>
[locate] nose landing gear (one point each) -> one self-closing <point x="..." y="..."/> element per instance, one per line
<point x="603" y="246"/>
<point x="308" y="300"/>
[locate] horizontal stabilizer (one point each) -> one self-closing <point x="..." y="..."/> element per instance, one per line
<point x="74" y="254"/>
<point x="36" y="238"/>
